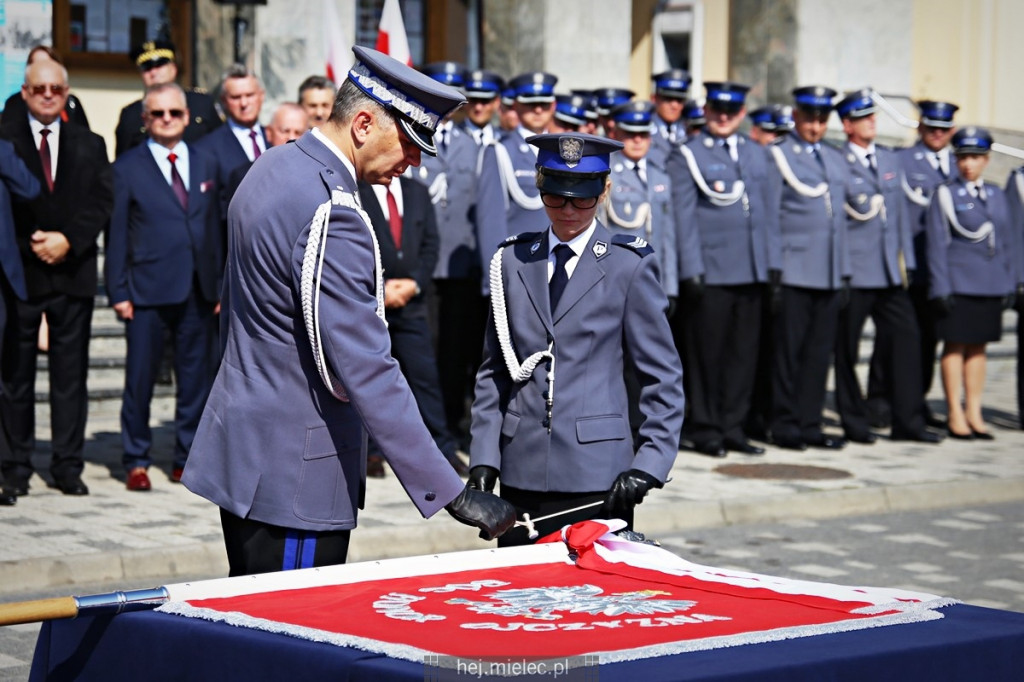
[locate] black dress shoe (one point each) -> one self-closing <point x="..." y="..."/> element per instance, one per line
<point x="17" y="488"/>
<point x="7" y="498"/>
<point x="921" y="437"/>
<point x="862" y="437"/>
<point x="712" y="448"/>
<point x="742" y="447"/>
<point x="72" y="486"/>
<point x="960" y="436"/>
<point x="982" y="435"/>
<point x="825" y="442"/>
<point x="789" y="442"/>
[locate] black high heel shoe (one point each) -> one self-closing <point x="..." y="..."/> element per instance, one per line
<point x="982" y="435"/>
<point x="960" y="436"/>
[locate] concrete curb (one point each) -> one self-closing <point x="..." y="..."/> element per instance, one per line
<point x="205" y="560"/>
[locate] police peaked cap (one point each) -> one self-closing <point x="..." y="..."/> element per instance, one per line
<point x="573" y="164"/>
<point x="418" y="102"/>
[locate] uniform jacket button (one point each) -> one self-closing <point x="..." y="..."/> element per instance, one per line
<point x="430" y="497"/>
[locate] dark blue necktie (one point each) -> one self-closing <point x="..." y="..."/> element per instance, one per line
<point x="560" y="277"/>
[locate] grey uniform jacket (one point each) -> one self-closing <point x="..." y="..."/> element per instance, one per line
<point x="919" y="181"/>
<point x="454" y="199"/>
<point x="959" y="264"/>
<point x="1015" y="200"/>
<point x="878" y="233"/>
<point x="728" y="241"/>
<point x="809" y="246"/>
<point x="274" y="444"/>
<point x="611" y="313"/>
<point x="631" y="199"/>
<point x="498" y="216"/>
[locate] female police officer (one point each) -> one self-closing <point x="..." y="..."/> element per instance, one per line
<point x="573" y="308"/>
<point x="969" y="263"/>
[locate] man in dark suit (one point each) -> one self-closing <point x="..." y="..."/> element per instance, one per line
<point x="57" y="237"/>
<point x="242" y="139"/>
<point x="163" y="270"/>
<point x="307" y="370"/>
<point x="16" y="182"/>
<point x="406" y="227"/>
<point x="155" y="60"/>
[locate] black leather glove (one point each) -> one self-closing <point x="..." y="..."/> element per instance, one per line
<point x="491" y="514"/>
<point x="628" y="491"/>
<point x="844" y="293"/>
<point x="1018" y="302"/>
<point x="692" y="289"/>
<point x="775" y="289"/>
<point x="942" y="306"/>
<point x="483" y="478"/>
<point x="671" y="312"/>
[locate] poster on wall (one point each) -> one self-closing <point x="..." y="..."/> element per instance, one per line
<point x="23" y="24"/>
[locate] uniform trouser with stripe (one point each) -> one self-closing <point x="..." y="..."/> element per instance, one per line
<point x="257" y="547"/>
<point x="893" y="315"/>
<point x="720" y="356"/>
<point x="804" y="334"/>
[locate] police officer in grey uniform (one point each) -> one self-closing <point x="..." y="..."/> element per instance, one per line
<point x="670" y="90"/>
<point x="307" y="369"/>
<point x="570" y="114"/>
<point x="573" y="308"/>
<point x="507" y="199"/>
<point x="640" y="201"/>
<point x="719" y="181"/>
<point x="1015" y="199"/>
<point x="451" y="178"/>
<point x="608" y="99"/>
<point x="483" y="90"/>
<point x="879" y="237"/>
<point x="809" y="269"/>
<point x="925" y="165"/>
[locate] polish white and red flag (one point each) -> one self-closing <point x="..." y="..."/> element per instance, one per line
<point x="583" y="592"/>
<point x="391" y="37"/>
<point x="338" y="50"/>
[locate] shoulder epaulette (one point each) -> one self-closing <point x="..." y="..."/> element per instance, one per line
<point x="636" y="244"/>
<point x="520" y="238"/>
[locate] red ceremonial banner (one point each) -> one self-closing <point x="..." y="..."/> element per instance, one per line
<point x="608" y="602"/>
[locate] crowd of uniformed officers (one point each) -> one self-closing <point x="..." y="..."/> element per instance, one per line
<point x="772" y="249"/>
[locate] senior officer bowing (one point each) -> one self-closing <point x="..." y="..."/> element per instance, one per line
<point x="281" y="448"/>
<point x="719" y="183"/>
<point x="575" y="310"/>
<point x="163" y="270"/>
<point x="879" y="235"/>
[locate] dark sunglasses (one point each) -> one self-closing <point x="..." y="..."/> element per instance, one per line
<point x="558" y="201"/>
<point x="174" y="113"/>
<point x="40" y="90"/>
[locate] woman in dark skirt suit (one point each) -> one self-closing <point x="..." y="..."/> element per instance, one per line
<point x="970" y="262"/>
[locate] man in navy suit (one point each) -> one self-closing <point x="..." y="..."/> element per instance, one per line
<point x="56" y="234"/>
<point x="307" y="370"/>
<point x="576" y="309"/>
<point x="809" y="269"/>
<point x="16" y="182"/>
<point x="163" y="271"/>
<point x="879" y="237"/>
<point x="406" y="227"/>
<point x="242" y="139"/>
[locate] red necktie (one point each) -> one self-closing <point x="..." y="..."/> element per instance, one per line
<point x="255" y="145"/>
<point x="394" y="219"/>
<point x="177" y="184"/>
<point x="44" y="157"/>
